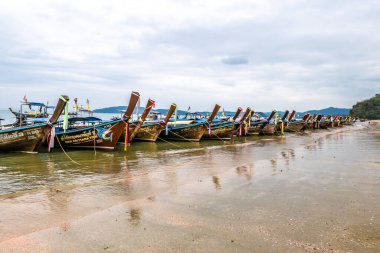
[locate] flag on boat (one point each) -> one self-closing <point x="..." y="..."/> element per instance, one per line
<point x="76" y="106"/>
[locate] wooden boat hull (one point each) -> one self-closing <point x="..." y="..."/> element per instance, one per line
<point x="324" y="125"/>
<point x="191" y="132"/>
<point x="149" y="132"/>
<point x="336" y="123"/>
<point x="23" y="139"/>
<point x="260" y="129"/>
<point x="316" y="125"/>
<point x="220" y="131"/>
<point x="101" y="136"/>
<point x="294" y="127"/>
<point x="146" y="132"/>
<point x="133" y="128"/>
<point x="131" y="131"/>
<point x="241" y="129"/>
<point x="308" y="126"/>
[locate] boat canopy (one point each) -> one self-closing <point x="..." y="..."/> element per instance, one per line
<point x="40" y="120"/>
<point x="85" y="119"/>
<point x="34" y="104"/>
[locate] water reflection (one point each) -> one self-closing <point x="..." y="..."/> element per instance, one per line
<point x="245" y="170"/>
<point x="135" y="216"/>
<point x="274" y="164"/>
<point x="216" y="182"/>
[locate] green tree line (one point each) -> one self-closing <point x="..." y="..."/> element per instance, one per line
<point x="367" y="109"/>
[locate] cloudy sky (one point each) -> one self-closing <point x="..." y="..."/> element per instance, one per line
<point x="285" y="54"/>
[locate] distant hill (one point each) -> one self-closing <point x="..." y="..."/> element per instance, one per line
<point x="330" y="111"/>
<point x="326" y="111"/>
<point x="367" y="109"/>
<point x="118" y="109"/>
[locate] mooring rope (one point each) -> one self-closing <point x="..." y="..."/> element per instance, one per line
<point x="94" y="141"/>
<point x="65" y="152"/>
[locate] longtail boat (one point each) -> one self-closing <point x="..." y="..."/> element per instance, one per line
<point x="282" y="122"/>
<point x="330" y="121"/>
<point x="222" y="130"/>
<point x="309" y="124"/>
<point x="242" y="125"/>
<point x="135" y="126"/>
<point x="325" y="122"/>
<point x="317" y="121"/>
<point x="335" y="121"/>
<point x="150" y="130"/>
<point x="295" y="126"/>
<point x="341" y="121"/>
<point x="103" y="135"/>
<point x="348" y="121"/>
<point x="29" y="138"/>
<point x="263" y="126"/>
<point x="41" y="111"/>
<point x="188" y="130"/>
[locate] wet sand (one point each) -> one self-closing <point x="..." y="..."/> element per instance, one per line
<point x="316" y="192"/>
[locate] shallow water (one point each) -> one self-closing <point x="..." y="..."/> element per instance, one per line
<point x="316" y="192"/>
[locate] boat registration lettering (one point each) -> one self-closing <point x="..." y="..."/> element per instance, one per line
<point x="78" y="138"/>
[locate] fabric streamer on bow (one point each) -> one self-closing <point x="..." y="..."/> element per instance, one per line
<point x="51" y="139"/>
<point x="126" y="135"/>
<point x="282" y="127"/>
<point x="209" y="129"/>
<point x="175" y="117"/>
<point x="240" y="130"/>
<point x="66" y="115"/>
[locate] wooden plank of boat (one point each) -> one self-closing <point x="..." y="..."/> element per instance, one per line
<point x="134" y="127"/>
<point x="100" y="136"/>
<point x="296" y="126"/>
<point x="150" y="131"/>
<point x="324" y="124"/>
<point x="291" y="117"/>
<point x="190" y="132"/>
<point x="223" y="130"/>
<point x="317" y="121"/>
<point x="263" y="127"/>
<point x="30" y="138"/>
<point x="310" y="122"/>
<point x="241" y="126"/>
<point x="346" y="121"/>
<point x="220" y="131"/>
<point x="282" y="120"/>
<point x="23" y="139"/>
